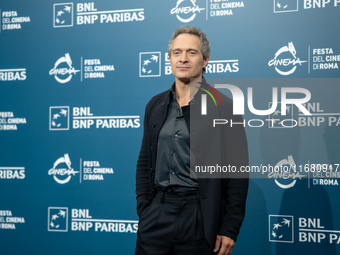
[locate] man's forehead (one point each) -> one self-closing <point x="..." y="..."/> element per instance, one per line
<point x="186" y="41"/>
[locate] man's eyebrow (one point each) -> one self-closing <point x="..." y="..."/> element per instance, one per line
<point x="189" y="49"/>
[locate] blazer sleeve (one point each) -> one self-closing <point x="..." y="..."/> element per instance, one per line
<point x="142" y="172"/>
<point x="236" y="186"/>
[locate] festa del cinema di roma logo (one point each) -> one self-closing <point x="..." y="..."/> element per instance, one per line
<point x="286" y="171"/>
<point x="59" y="169"/>
<point x="288" y="64"/>
<point x="186" y="10"/>
<point x="63" y="69"/>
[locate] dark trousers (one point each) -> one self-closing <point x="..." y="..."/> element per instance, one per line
<point x="172" y="224"/>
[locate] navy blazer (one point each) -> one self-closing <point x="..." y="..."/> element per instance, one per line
<point x="222" y="199"/>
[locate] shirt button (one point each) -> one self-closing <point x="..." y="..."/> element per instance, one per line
<point x="174" y="154"/>
<point x="176" y="135"/>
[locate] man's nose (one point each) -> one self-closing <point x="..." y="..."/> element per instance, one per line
<point x="184" y="57"/>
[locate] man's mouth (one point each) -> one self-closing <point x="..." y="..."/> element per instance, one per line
<point x="183" y="68"/>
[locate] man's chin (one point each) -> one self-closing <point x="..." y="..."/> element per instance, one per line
<point x="187" y="79"/>
<point x="184" y="80"/>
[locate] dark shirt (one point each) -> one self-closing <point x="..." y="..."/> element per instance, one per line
<point x="173" y="153"/>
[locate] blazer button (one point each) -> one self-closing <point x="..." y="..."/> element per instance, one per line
<point x="151" y="148"/>
<point x="151" y="170"/>
<point x="153" y="125"/>
<point x="163" y="103"/>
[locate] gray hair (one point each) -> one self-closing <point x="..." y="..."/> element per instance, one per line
<point x="205" y="48"/>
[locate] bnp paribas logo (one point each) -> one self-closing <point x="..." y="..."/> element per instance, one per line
<point x="204" y="96"/>
<point x="63" y="15"/>
<point x="57" y="219"/>
<point x="281" y="228"/>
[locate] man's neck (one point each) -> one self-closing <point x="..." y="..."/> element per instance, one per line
<point x="185" y="90"/>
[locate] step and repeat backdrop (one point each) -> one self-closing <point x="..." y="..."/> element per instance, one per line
<point x="75" y="78"/>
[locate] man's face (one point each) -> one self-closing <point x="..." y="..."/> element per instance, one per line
<point x="186" y="57"/>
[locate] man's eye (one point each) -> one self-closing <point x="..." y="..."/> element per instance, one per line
<point x="192" y="53"/>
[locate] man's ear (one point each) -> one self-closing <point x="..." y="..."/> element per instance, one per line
<point x="205" y="62"/>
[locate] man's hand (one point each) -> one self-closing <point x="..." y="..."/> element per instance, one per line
<point x="224" y="244"/>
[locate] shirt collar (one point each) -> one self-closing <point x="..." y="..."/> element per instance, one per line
<point x="172" y="92"/>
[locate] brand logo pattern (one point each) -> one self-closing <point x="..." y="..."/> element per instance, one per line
<point x="63" y="15"/>
<point x="59" y="117"/>
<point x="285" y="6"/>
<point x="149" y="64"/>
<point x="186" y="12"/>
<point x="63" y="69"/>
<point x="59" y="170"/>
<point x="285" y="173"/>
<point x="57" y="219"/>
<point x="281" y="228"/>
<point x="286" y="65"/>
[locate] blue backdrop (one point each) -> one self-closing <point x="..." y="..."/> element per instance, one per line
<point x="75" y="78"/>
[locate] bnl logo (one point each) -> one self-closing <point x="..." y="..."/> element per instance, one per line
<point x="149" y="64"/>
<point x="238" y="99"/>
<point x="57" y="219"/>
<point x="285" y="6"/>
<point x="59" y="118"/>
<point x="63" y="15"/>
<point x="281" y="228"/>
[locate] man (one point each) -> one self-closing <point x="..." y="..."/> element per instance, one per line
<point x="180" y="213"/>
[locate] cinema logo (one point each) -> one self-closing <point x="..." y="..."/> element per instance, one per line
<point x="82" y="221"/>
<point x="61" y="168"/>
<point x="285" y="60"/>
<point x="285" y="173"/>
<point x="93" y="68"/>
<point x="186" y="10"/>
<point x="63" y="69"/>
